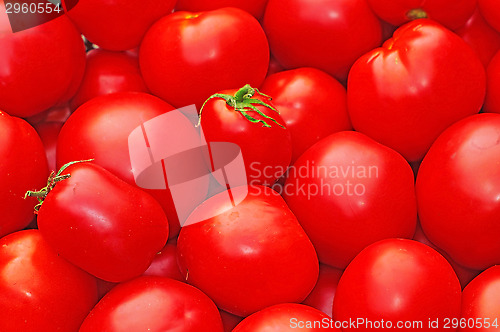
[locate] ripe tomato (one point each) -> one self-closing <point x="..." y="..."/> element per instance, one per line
<point x="92" y="219"/>
<point x="48" y="132"/>
<point x="458" y="191"/>
<point x="480" y="306"/>
<point x="153" y="304"/>
<point x="23" y="167"/>
<point x="265" y="143"/>
<point x="490" y="9"/>
<point x="360" y="192"/>
<point x="312" y="103"/>
<point x="321" y="297"/>
<point x="420" y="82"/>
<point x="255" y="7"/>
<point x="326" y="34"/>
<point x="451" y="13"/>
<point x="165" y="264"/>
<point x="40" y="291"/>
<point x="186" y="57"/>
<point x="398" y="281"/>
<point x="108" y="72"/>
<point x="33" y="77"/>
<point x="481" y="37"/>
<point x="286" y="317"/>
<point x="117" y="25"/>
<point x="492" y="100"/>
<point x="250" y="256"/>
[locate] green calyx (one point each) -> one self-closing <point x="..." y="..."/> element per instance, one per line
<point x="244" y="103"/>
<point x="416" y="14"/>
<point x="53" y="179"/>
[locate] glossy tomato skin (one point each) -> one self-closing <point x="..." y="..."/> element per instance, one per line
<point x="256" y="7"/>
<point x="481" y="37"/>
<point x="360" y="192"/>
<point x="102" y="224"/>
<point x="117" y="25"/>
<point x="492" y="100"/>
<point x="154" y="304"/>
<point x="463" y="161"/>
<point x="327" y="34"/>
<point x="23" y="167"/>
<point x="41" y="291"/>
<point x="451" y="13"/>
<point x="420" y="82"/>
<point x="33" y="77"/>
<point x="251" y="256"/>
<point x="266" y="151"/>
<point x="108" y="72"/>
<point x="398" y="280"/>
<point x="186" y="57"/>
<point x="480" y="302"/>
<point x="285" y="317"/>
<point x="323" y="294"/>
<point x="490" y="9"/>
<point x="312" y="103"/>
<point x="164" y="264"/>
<point x="48" y="132"/>
<point x="99" y="130"/>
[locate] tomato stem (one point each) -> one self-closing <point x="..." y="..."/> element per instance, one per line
<point x="243" y="102"/>
<point x="417" y="13"/>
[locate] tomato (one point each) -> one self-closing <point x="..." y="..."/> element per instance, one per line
<point x="186" y="57"/>
<point x="48" y="132"/>
<point x="397" y="280"/>
<point x="458" y="191"/>
<point x="229" y="321"/>
<point x="108" y="72"/>
<point x="481" y="37"/>
<point x="153" y="304"/>
<point x="99" y="130"/>
<point x="165" y="264"/>
<point x="250" y="256"/>
<point x="23" y="167"/>
<point x="274" y="66"/>
<point x="33" y="77"/>
<point x="480" y="306"/>
<point x="312" y="103"/>
<point x="255" y="7"/>
<point x="326" y="34"/>
<point x="360" y="192"/>
<point x="451" y="13"/>
<point x="58" y="113"/>
<point x="40" y="291"/>
<point x="420" y="82"/>
<point x="117" y="25"/>
<point x="92" y="219"/>
<point x="492" y="100"/>
<point x="490" y="10"/>
<point x="265" y="142"/>
<point x="321" y="297"/>
<point x="286" y="317"/>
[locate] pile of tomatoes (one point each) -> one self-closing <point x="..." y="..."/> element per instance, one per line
<point x="370" y="135"/>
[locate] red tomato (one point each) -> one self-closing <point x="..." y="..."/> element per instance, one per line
<point x="33" y="76"/>
<point x="326" y="34"/>
<point x="480" y="37"/>
<point x="99" y="130"/>
<point x="360" y="192"/>
<point x="251" y="256"/>
<point x="274" y="66"/>
<point x="40" y="291"/>
<point x="48" y="132"/>
<point x="229" y="321"/>
<point x="108" y="72"/>
<point x="186" y="57"/>
<point x="154" y="304"/>
<point x="458" y="191"/>
<point x="92" y="219"/>
<point x="23" y="168"/>
<point x="117" y="25"/>
<point x="286" y="317"/>
<point x="490" y="9"/>
<point x="397" y="281"/>
<point x="420" y="82"/>
<point x="492" y="100"/>
<point x="54" y="114"/>
<point x="165" y="264"/>
<point x="321" y="297"/>
<point x="451" y="13"/>
<point x="265" y="143"/>
<point x="255" y="7"/>
<point x="480" y="305"/>
<point x="312" y="103"/>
